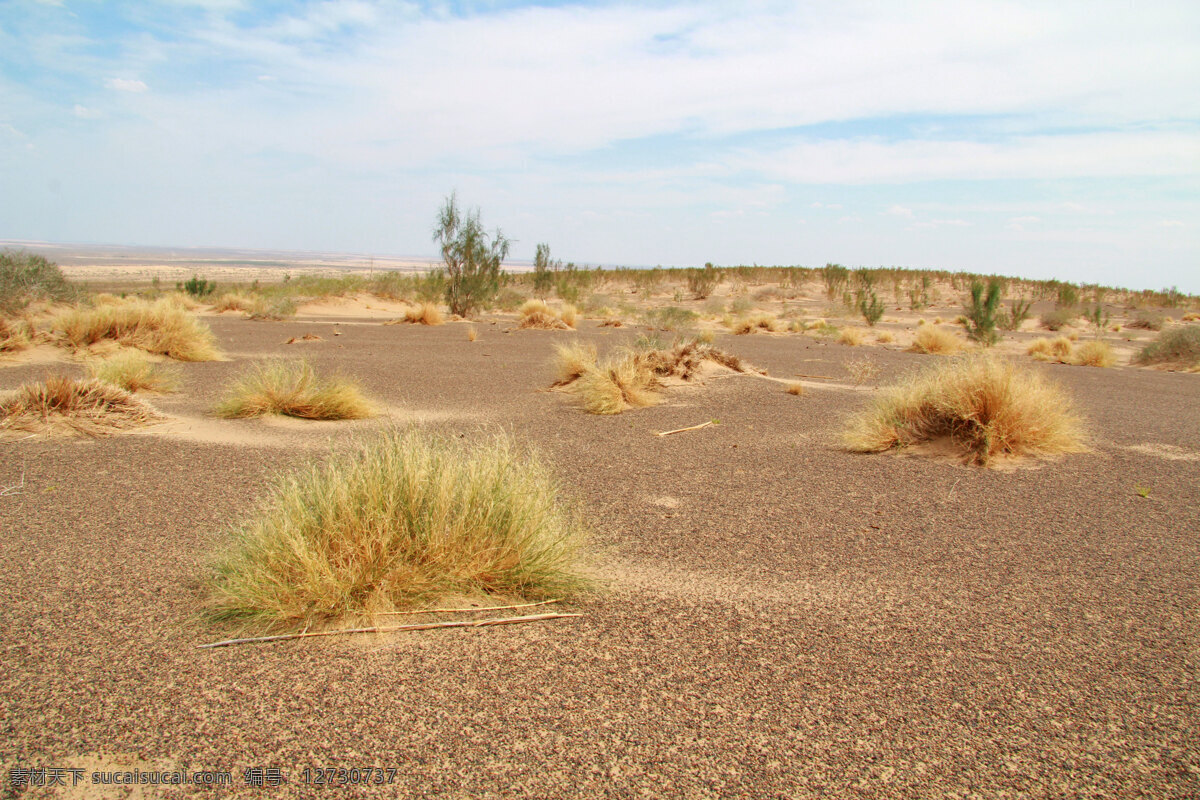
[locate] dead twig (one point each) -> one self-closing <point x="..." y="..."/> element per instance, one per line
<point x="9" y="491"/>
<point x="681" y="430"/>
<point x="425" y="626"/>
<point x="465" y="610"/>
<point x="822" y="377"/>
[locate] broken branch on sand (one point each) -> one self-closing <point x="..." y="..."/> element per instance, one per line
<point x="476" y="623"/>
<point x="692" y="428"/>
<point x="465" y="610"/>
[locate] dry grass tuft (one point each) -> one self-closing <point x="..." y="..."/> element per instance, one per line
<point x="134" y="372"/>
<point x="90" y="407"/>
<point x="14" y="335"/>
<point x="1046" y="349"/>
<point x="631" y="378"/>
<point x="1094" y="354"/>
<point x="885" y="337"/>
<point x="985" y="406"/>
<point x="794" y="387"/>
<point x="572" y="360"/>
<point x="852" y="336"/>
<point x="754" y="324"/>
<point x="423" y="314"/>
<point x="236" y="301"/>
<point x="407" y="520"/>
<point x="936" y="341"/>
<point x="536" y="314"/>
<point x="472" y="334"/>
<point x="620" y="382"/>
<point x="292" y="388"/>
<point x="162" y="327"/>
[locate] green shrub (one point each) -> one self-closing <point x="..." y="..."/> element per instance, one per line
<point x="197" y="286"/>
<point x="26" y="278"/>
<point x="407" y="520"/>
<point x="1018" y="313"/>
<point x="835" y="277"/>
<point x="1178" y="346"/>
<point x="981" y="313"/>
<point x="543" y="272"/>
<point x="702" y="282"/>
<point x="1147" y="320"/>
<point x="1058" y="319"/>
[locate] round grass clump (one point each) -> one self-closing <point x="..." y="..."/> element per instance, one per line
<point x="293" y="389"/>
<point x="1175" y="347"/>
<point x="408" y="519"/>
<point x="987" y="407"/>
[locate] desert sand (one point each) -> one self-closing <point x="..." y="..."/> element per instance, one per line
<point x="778" y="618"/>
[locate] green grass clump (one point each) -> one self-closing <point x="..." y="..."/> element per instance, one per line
<point x="292" y="388"/>
<point x="1179" y="347"/>
<point x="134" y="372"/>
<point x="162" y="327"/>
<point x="985" y="406"/>
<point x="408" y="519"/>
<point x="26" y="278"/>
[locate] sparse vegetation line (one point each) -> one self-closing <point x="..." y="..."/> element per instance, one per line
<point x="424" y="626"/>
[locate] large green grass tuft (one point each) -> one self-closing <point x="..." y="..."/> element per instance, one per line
<point x="408" y="519"/>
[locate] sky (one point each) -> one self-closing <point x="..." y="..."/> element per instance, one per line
<point x="1037" y="139"/>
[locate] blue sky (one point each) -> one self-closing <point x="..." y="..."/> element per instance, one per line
<point x="1028" y="138"/>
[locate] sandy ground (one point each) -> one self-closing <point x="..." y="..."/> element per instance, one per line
<point x="780" y="618"/>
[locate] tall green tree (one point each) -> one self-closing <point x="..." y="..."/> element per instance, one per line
<point x="472" y="258"/>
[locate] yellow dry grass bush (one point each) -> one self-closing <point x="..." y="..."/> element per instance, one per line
<point x="292" y="388"/>
<point x="794" y="388"/>
<point x="754" y="323"/>
<point x="67" y="405"/>
<point x="852" y="336"/>
<point x="472" y="334"/>
<point x="569" y="314"/>
<point x="572" y="360"/>
<point x="885" y="337"/>
<point x="14" y="335"/>
<point x="620" y="382"/>
<point x="1094" y="354"/>
<point x="404" y="521"/>
<point x="536" y="314"/>
<point x="631" y="378"/>
<point x="236" y="301"/>
<point x="161" y="327"/>
<point x="134" y="372"/>
<point x="930" y="339"/>
<point x="985" y="406"/>
<point x="423" y="314"/>
<point x="1050" y="349"/>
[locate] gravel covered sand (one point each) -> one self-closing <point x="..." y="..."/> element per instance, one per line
<point x="780" y="618"/>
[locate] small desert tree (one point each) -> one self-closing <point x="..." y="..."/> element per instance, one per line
<point x="544" y="271"/>
<point x="981" y="313"/>
<point x="472" y="258"/>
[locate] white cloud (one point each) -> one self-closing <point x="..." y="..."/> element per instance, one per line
<point x="126" y="85"/>
<point x="900" y="211"/>
<point x="1032" y="157"/>
<point x="87" y="113"/>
